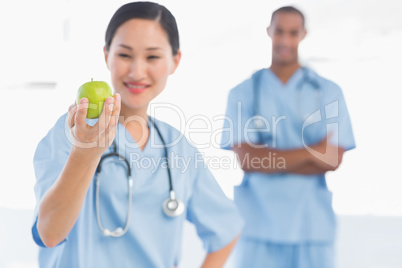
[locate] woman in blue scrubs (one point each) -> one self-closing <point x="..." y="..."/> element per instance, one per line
<point x="106" y="220"/>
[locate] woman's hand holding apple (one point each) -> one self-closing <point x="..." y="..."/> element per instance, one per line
<point x="92" y="141"/>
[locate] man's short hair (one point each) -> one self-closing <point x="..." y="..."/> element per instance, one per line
<point x="288" y="9"/>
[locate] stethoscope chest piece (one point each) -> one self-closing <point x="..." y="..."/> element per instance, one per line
<point x="173" y="207"/>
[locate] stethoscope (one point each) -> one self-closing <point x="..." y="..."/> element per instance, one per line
<point x="172" y="206"/>
<point x="259" y="120"/>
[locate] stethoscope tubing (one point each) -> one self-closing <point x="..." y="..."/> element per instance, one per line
<point x="172" y="207"/>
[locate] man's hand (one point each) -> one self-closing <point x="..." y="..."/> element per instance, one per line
<point x="325" y="155"/>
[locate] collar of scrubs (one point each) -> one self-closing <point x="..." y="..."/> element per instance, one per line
<point x="124" y="140"/>
<point x="283" y="106"/>
<point x="292" y="82"/>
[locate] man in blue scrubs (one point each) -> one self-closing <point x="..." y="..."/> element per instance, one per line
<point x="288" y="127"/>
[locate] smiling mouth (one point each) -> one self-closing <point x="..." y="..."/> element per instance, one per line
<point x="136" y="88"/>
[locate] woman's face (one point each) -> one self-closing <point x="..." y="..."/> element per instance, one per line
<point x="140" y="60"/>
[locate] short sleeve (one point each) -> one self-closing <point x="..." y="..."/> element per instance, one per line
<point x="238" y="121"/>
<point x="50" y="157"/>
<point x="339" y="123"/>
<point x="215" y="217"/>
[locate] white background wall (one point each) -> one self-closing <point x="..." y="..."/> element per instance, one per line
<point x="355" y="43"/>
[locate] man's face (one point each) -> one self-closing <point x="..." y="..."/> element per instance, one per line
<point x="286" y="32"/>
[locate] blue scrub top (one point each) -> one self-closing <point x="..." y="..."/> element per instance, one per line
<point x="284" y="207"/>
<point x="153" y="239"/>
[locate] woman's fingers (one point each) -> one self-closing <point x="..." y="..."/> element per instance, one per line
<point x="105" y="127"/>
<point x="71" y="115"/>
<point x="81" y="114"/>
<point x="116" y="108"/>
<point x="114" y="117"/>
<point x="117" y="103"/>
<point x="110" y="131"/>
<point x="110" y="113"/>
<point x="104" y="118"/>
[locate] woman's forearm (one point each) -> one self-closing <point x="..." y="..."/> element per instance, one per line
<point x="61" y="205"/>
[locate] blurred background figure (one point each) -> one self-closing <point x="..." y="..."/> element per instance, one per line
<point x="302" y="122"/>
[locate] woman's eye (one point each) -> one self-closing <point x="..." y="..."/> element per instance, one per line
<point x="122" y="55"/>
<point x="153" y="57"/>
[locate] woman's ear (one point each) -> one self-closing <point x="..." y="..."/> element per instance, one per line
<point x="176" y="61"/>
<point x="106" y="54"/>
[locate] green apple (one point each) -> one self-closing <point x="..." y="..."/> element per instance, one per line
<point x="96" y="92"/>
